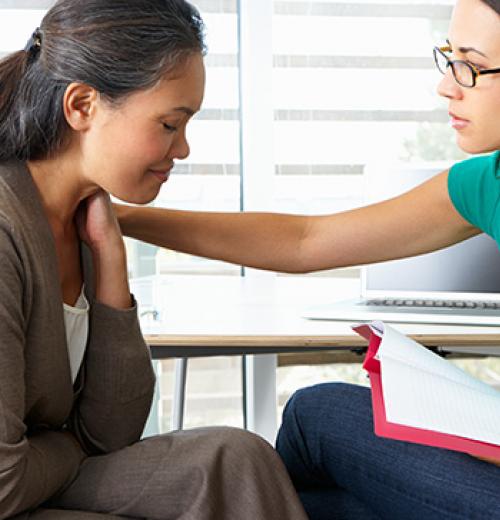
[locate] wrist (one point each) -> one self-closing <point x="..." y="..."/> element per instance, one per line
<point x="112" y="248"/>
<point x="111" y="276"/>
<point x="113" y="291"/>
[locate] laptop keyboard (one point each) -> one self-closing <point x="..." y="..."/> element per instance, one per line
<point x="432" y="304"/>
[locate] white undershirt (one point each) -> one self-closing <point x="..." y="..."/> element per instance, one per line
<point x="76" y="320"/>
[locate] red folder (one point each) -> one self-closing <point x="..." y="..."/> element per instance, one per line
<point x="384" y="428"/>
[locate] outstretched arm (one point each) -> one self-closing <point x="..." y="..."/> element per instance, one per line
<point x="421" y="220"/>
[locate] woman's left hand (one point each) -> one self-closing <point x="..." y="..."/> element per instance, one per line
<point x="99" y="229"/>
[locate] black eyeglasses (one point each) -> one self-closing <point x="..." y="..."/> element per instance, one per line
<point x="465" y="73"/>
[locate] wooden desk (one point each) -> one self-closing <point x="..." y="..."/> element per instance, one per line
<point x="260" y="316"/>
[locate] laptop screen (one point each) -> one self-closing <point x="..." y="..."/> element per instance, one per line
<point x="472" y="266"/>
<point x="470" y="269"/>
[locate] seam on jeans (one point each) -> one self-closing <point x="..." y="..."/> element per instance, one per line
<point x="290" y="413"/>
<point x="304" y="461"/>
<point x="405" y="493"/>
<point x="478" y="490"/>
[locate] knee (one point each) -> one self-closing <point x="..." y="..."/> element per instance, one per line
<point x="306" y="421"/>
<point x="319" y="416"/>
<point x="240" y="441"/>
<point x="322" y="409"/>
<point x="244" y="449"/>
<point x="217" y="450"/>
<point x="311" y="401"/>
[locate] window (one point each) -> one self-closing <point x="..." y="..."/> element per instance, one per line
<point x="334" y="85"/>
<point x="354" y="83"/>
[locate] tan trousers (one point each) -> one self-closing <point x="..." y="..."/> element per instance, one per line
<point x="202" y="474"/>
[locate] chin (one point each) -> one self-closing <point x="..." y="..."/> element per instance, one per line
<point x="476" y="147"/>
<point x="136" y="198"/>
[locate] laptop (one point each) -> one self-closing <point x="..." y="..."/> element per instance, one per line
<point x="456" y="285"/>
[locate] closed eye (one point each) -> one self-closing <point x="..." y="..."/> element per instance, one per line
<point x="170" y="128"/>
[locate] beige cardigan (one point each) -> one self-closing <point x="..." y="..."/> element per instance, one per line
<point x="106" y="409"/>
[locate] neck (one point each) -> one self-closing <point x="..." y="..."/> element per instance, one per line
<point x="62" y="187"/>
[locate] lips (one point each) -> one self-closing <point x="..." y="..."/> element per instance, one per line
<point x="458" y="122"/>
<point x="162" y="175"/>
<point x="454" y="116"/>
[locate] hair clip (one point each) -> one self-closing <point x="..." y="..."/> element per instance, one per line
<point x="35" y="42"/>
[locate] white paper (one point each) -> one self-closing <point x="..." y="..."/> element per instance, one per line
<point x="423" y="390"/>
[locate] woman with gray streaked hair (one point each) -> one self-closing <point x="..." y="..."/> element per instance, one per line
<point x="97" y="104"/>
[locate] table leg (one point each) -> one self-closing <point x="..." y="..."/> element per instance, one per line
<point x="153" y="423"/>
<point x="178" y="403"/>
<point x="244" y="391"/>
<point x="261" y="400"/>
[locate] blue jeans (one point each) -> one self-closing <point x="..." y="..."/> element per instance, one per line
<point x="342" y="471"/>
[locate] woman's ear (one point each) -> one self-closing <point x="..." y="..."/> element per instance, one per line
<point x="79" y="104"/>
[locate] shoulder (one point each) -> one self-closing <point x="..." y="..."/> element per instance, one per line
<point x="14" y="196"/>
<point x="12" y="207"/>
<point x="477" y="170"/>
<point x="474" y="189"/>
<point x="21" y="205"/>
<point x="24" y="239"/>
<point x="12" y="246"/>
<point x="11" y="172"/>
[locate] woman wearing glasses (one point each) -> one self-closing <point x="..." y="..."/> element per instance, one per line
<point x="340" y="468"/>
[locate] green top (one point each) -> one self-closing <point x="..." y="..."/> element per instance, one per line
<point x="474" y="188"/>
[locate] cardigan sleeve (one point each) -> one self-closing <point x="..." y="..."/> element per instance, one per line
<point x="33" y="466"/>
<point x="118" y="378"/>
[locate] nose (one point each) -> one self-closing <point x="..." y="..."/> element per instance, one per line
<point x="180" y="148"/>
<point x="449" y="88"/>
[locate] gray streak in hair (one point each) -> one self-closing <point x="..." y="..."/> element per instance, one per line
<point x="115" y="46"/>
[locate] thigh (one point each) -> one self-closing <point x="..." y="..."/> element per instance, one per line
<point x="210" y="473"/>
<point x="327" y="439"/>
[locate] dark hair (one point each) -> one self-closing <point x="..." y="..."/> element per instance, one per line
<point x="494" y="4"/>
<point x="115" y="46"/>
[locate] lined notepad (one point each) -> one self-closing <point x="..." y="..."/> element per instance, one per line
<point x="420" y="397"/>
